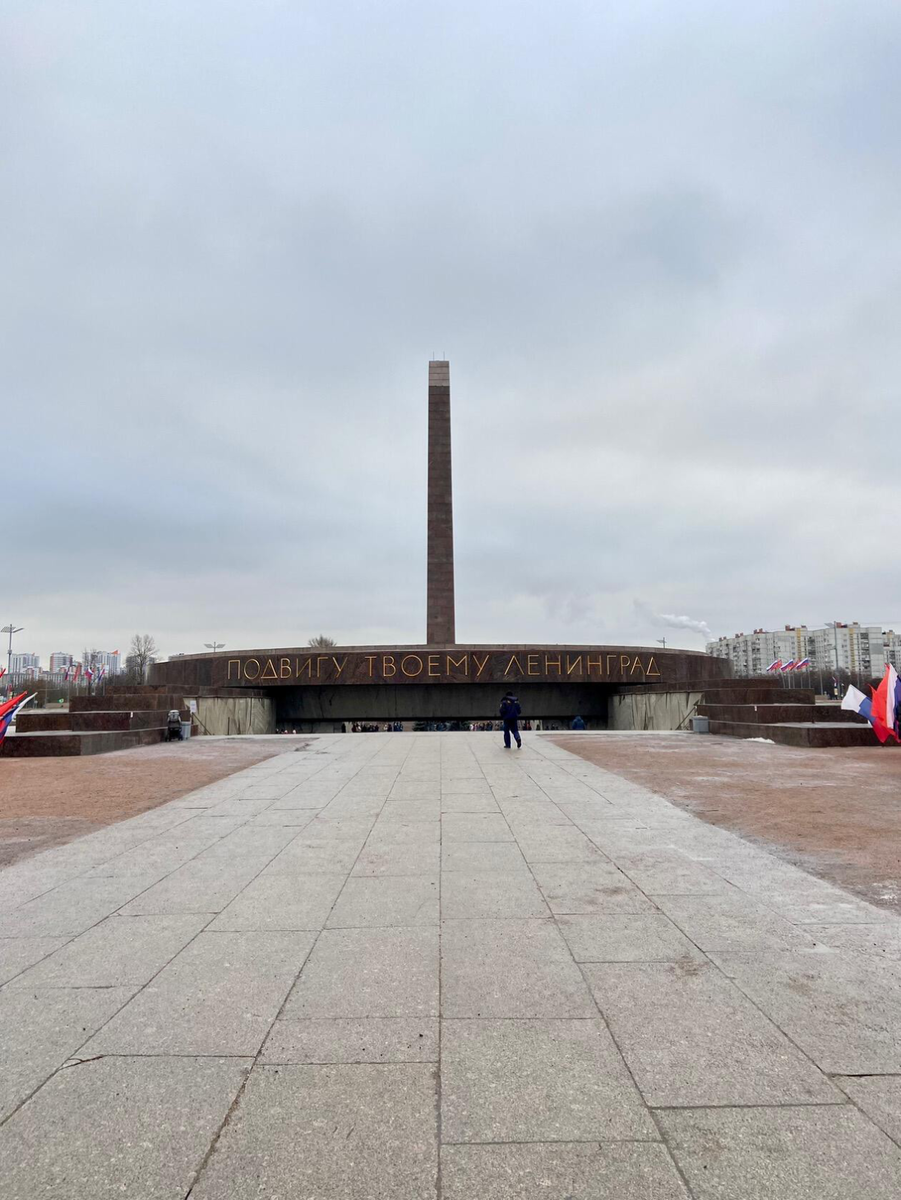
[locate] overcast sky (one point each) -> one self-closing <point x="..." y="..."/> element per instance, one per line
<point x="659" y="241"/>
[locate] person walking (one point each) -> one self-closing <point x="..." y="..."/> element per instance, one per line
<point x="509" y="713"/>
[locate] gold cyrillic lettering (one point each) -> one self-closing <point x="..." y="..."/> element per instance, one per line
<point x="284" y="668"/>
<point x="481" y="665"/>
<point x="457" y="663"/>
<point x="652" y="664"/>
<point x="411" y="674"/>
<point x="595" y="662"/>
<point x="530" y="664"/>
<point x="637" y="664"/>
<point x="570" y="667"/>
<point x="339" y="667"/>
<point x="624" y="661"/>
<point x="552" y="662"/>
<point x="305" y="666"/>
<point x="388" y="661"/>
<point x="433" y="664"/>
<point x="513" y="660"/>
<point x="247" y="663"/>
<point x="237" y="664"/>
<point x="370" y="658"/>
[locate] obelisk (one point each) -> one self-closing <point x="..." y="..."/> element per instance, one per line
<point x="440" y="629"/>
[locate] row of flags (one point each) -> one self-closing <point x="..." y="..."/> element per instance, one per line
<point x="793" y="664"/>
<point x="9" y="709"/>
<point x="883" y="709"/>
<point x="91" y="673"/>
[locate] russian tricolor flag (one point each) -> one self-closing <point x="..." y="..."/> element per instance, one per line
<point x="799" y="666"/>
<point x="788" y="666"/>
<point x="882" y="710"/>
<point x="775" y="665"/>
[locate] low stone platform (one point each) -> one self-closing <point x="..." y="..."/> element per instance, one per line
<point x="403" y="965"/>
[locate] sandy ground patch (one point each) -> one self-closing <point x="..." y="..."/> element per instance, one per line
<point x="837" y="813"/>
<point x="47" y="801"/>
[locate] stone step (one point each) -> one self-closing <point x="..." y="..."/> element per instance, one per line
<point x="68" y="743"/>
<point x="774" y="714"/>
<point x="95" y="721"/>
<point x="808" y="734"/>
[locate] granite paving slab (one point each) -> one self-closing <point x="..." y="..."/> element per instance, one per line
<point x="315" y="856"/>
<point x="691" y="1038"/>
<point x="537" y="1081"/>
<point x="589" y="887"/>
<point x="495" y="894"/>
<point x="671" y="874"/>
<point x="363" y="1131"/>
<point x="813" y="1153"/>
<point x="879" y="1096"/>
<point x="357" y="1040"/>
<point x="114" y="1127"/>
<point x="281" y="901"/>
<point x="200" y="886"/>
<point x="880" y="938"/>
<point x="482" y="856"/>
<point x="220" y="995"/>
<point x="843" y="1010"/>
<point x="398" y="858"/>
<point x="17" y="954"/>
<point x="475" y="827"/>
<point x="510" y="968"/>
<point x="369" y="973"/>
<point x="560" y="1171"/>
<point x="626" y="937"/>
<point x="732" y="921"/>
<point x="555" y="844"/>
<point x="386" y="900"/>
<point x="72" y="907"/>
<point x="41" y="1027"/>
<point x="119" y="952"/>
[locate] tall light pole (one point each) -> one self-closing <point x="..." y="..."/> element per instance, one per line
<point x="214" y="646"/>
<point x="10" y="629"/>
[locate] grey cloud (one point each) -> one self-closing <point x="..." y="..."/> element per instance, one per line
<point x="658" y="242"/>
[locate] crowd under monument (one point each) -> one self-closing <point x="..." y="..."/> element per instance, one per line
<point x="441" y="679"/>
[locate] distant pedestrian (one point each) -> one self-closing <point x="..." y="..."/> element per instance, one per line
<point x="577" y="723"/>
<point x="509" y="714"/>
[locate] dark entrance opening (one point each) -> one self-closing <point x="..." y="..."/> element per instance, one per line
<point x="321" y="709"/>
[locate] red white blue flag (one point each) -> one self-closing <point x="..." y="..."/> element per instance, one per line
<point x="882" y="710"/>
<point x="886" y="699"/>
<point x="788" y="666"/>
<point x="775" y="665"/>
<point x="9" y="709"/>
<point x="799" y="666"/>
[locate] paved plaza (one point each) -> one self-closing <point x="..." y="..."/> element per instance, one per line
<point x="419" y="965"/>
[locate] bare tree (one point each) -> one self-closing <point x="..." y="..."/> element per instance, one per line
<point x="322" y="642"/>
<point x="143" y="651"/>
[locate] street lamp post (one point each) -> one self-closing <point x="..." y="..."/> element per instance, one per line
<point x="214" y="646"/>
<point x="10" y="629"/>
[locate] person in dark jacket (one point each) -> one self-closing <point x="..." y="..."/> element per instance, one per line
<point x="509" y="714"/>
<point x="577" y="723"/>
